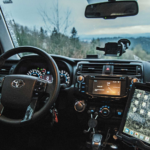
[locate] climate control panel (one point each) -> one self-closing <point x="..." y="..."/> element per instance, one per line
<point x="107" y="111"/>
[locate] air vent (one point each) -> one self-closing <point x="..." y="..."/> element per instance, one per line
<point x="5" y="70"/>
<point x="127" y="70"/>
<point x="90" y="68"/>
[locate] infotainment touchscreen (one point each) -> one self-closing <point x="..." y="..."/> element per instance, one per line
<point x="107" y="87"/>
<point x="137" y="122"/>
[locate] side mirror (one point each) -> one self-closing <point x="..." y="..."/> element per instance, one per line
<point x="112" y="10"/>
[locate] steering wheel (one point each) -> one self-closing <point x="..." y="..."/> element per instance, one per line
<point x="20" y="91"/>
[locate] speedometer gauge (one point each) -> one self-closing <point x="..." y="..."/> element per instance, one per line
<point x="41" y="73"/>
<point x="34" y="72"/>
<point x="64" y="77"/>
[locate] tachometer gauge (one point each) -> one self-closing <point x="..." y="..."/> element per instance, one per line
<point x="64" y="77"/>
<point x="34" y="72"/>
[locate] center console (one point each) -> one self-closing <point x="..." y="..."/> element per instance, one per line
<point x="102" y="99"/>
<point x="101" y="92"/>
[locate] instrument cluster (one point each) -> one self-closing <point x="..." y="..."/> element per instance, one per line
<point x="35" y="66"/>
<point x="46" y="75"/>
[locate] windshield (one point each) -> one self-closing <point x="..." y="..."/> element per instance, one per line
<point x="60" y="27"/>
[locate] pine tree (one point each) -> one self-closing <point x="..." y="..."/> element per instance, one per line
<point x="54" y="32"/>
<point x="42" y="33"/>
<point x="73" y="33"/>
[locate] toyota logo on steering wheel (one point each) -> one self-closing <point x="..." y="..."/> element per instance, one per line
<point x="17" y="83"/>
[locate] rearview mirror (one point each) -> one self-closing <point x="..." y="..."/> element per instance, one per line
<point x="111" y="10"/>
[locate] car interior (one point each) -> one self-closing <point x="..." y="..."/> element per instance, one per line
<point x="74" y="85"/>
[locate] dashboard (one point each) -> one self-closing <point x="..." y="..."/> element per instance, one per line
<point x="91" y="85"/>
<point x="97" y="86"/>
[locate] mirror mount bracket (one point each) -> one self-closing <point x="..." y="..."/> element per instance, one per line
<point x="115" y="49"/>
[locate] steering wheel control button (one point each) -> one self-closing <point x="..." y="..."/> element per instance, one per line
<point x="36" y="94"/>
<point x="40" y="86"/>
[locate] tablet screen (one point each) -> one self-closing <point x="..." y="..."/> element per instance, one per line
<point x="137" y="122"/>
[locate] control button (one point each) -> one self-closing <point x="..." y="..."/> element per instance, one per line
<point x="107" y="69"/>
<point x="105" y="112"/>
<point x="80" y="78"/>
<point x="83" y="91"/>
<point x="40" y="86"/>
<point x="79" y="106"/>
<point x="119" y="112"/>
<point x="92" y="111"/>
<point x="36" y="94"/>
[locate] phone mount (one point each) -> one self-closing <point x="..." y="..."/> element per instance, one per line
<point x="115" y="49"/>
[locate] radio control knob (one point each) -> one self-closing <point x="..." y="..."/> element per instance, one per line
<point x="80" y="78"/>
<point x="79" y="106"/>
<point x="105" y="112"/>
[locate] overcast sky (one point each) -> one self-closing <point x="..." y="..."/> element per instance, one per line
<point x="26" y="12"/>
